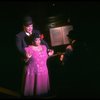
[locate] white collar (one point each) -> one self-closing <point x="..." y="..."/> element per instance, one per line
<point x="27" y="34"/>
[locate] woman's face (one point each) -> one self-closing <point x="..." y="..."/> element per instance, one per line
<point x="37" y="41"/>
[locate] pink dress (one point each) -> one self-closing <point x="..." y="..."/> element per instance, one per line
<point x="36" y="72"/>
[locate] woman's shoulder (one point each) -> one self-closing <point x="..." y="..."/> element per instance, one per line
<point x="28" y="47"/>
<point x="43" y="46"/>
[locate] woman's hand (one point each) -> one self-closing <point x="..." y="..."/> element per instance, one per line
<point x="50" y="52"/>
<point x="28" y="56"/>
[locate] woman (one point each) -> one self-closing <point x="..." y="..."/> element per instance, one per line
<point x="36" y="71"/>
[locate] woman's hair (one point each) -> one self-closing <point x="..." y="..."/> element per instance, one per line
<point x="32" y="38"/>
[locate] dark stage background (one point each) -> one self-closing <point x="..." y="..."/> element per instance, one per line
<point x="85" y="18"/>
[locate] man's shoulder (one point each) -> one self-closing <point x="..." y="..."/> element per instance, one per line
<point x="20" y="34"/>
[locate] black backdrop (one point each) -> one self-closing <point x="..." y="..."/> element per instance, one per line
<point x="84" y="16"/>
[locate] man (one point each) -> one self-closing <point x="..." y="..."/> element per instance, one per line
<point x="22" y="37"/>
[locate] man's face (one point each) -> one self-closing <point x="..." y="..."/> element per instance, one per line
<point x="29" y="28"/>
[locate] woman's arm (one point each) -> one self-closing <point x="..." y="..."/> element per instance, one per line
<point x="27" y="53"/>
